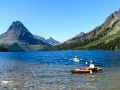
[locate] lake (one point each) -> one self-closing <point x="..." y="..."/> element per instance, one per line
<point x="51" y="70"/>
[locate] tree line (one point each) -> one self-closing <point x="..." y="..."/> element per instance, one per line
<point x="2" y="49"/>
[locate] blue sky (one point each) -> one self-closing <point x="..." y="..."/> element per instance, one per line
<point x="60" y="19"/>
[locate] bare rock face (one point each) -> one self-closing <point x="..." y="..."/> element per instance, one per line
<point x="17" y="32"/>
<point x="80" y="34"/>
<point x="52" y="41"/>
<point x="40" y="38"/>
<point x="116" y="13"/>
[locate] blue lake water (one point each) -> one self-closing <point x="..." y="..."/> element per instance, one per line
<point x="50" y="70"/>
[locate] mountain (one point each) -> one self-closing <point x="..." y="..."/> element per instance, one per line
<point x="103" y="37"/>
<point x="18" y="38"/>
<point x="80" y="34"/>
<point x="116" y="13"/>
<point x="40" y="38"/>
<point x="50" y="41"/>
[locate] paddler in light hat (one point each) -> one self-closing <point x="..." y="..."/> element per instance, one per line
<point x="76" y="59"/>
<point x="91" y="66"/>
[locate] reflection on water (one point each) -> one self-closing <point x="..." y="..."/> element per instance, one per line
<point x="51" y="70"/>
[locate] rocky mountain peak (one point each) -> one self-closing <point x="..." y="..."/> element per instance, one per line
<point x="18" y="38"/>
<point x="116" y="13"/>
<point x="17" y="27"/>
<point x="17" y="23"/>
<point x="52" y="41"/>
<point x="51" y="38"/>
<point x="80" y="34"/>
<point x="17" y="32"/>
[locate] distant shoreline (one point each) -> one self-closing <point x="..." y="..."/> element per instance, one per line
<point x="2" y="49"/>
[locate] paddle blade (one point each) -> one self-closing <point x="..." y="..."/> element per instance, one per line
<point x="90" y="71"/>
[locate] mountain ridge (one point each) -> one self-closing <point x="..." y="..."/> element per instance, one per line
<point x="116" y="13"/>
<point x="50" y="41"/>
<point x="104" y="37"/>
<point x="19" y="36"/>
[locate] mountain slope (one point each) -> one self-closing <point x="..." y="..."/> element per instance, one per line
<point x="116" y="13"/>
<point x="18" y="38"/>
<point x="40" y="38"/>
<point x="103" y="37"/>
<point x="52" y="41"/>
<point x="80" y="34"/>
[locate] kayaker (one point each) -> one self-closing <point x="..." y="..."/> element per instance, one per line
<point x="91" y="65"/>
<point x="76" y="58"/>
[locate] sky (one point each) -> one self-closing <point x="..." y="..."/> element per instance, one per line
<point x="59" y="19"/>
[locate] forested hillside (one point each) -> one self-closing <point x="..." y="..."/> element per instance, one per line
<point x="103" y="37"/>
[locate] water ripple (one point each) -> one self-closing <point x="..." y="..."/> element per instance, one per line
<point x="50" y="70"/>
